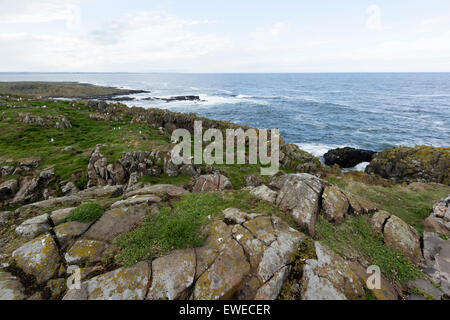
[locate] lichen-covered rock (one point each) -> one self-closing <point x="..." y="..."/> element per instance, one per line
<point x="359" y="205"/>
<point x="116" y="221"/>
<point x="34" y="227"/>
<point x="223" y="279"/>
<point x="212" y="182"/>
<point x="39" y="257"/>
<point x="10" y="287"/>
<point x="67" y="233"/>
<point x="439" y="220"/>
<point x="59" y="216"/>
<point x="67" y="201"/>
<point x="436" y="253"/>
<point x="102" y="192"/>
<point x="172" y="275"/>
<point x="334" y="204"/>
<point x="300" y="194"/>
<point x="379" y="219"/>
<point x="253" y="180"/>
<point x="422" y="163"/>
<point x="401" y="236"/>
<point x="135" y="200"/>
<point x="271" y="289"/>
<point x="85" y="251"/>
<point x="234" y="215"/>
<point x="160" y="190"/>
<point x="56" y="288"/>
<point x="330" y="278"/>
<point x="121" y="284"/>
<point x="264" y="193"/>
<point x="28" y="192"/>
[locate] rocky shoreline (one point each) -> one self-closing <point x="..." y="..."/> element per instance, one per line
<point x="140" y="227"/>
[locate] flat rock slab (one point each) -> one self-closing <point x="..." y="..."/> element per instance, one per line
<point x="160" y="190"/>
<point x="34" y="227"/>
<point x="85" y="251"/>
<point x="67" y="233"/>
<point x="264" y="193"/>
<point x="39" y="257"/>
<point x="115" y="222"/>
<point x="135" y="200"/>
<point x="121" y="284"/>
<point x="330" y="278"/>
<point x="10" y="287"/>
<point x="59" y="216"/>
<point x="172" y="275"/>
<point x="102" y="192"/>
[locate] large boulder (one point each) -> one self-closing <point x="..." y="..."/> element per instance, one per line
<point x="248" y="257"/>
<point x="212" y="182"/>
<point x="330" y="278"/>
<point x="122" y="284"/>
<point x="172" y="275"/>
<point x="116" y="221"/>
<point x="39" y="258"/>
<point x="422" y="163"/>
<point x="300" y="195"/>
<point x="401" y="236"/>
<point x="439" y="220"/>
<point x="335" y="204"/>
<point x="264" y="193"/>
<point x="348" y="157"/>
<point x="85" y="252"/>
<point x="34" y="227"/>
<point x="436" y="253"/>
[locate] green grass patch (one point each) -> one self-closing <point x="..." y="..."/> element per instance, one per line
<point x="86" y="213"/>
<point x="413" y="203"/>
<point x="180" y="226"/>
<point x="356" y="237"/>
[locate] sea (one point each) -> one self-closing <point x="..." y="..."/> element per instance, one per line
<point x="318" y="111"/>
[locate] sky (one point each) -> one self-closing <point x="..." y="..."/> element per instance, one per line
<point x="211" y="36"/>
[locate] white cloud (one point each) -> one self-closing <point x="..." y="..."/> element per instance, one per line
<point x="30" y="11"/>
<point x="435" y="20"/>
<point x="142" y="42"/>
<point x="274" y="31"/>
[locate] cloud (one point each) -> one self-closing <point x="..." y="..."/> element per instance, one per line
<point x="274" y="31"/>
<point x="141" y="42"/>
<point x="435" y="20"/>
<point x="27" y="11"/>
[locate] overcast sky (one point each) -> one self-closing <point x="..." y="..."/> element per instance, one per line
<point x="224" y="36"/>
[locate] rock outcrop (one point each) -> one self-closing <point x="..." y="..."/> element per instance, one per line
<point x="422" y="163"/>
<point x="212" y="182"/>
<point x="436" y="253"/>
<point x="439" y="220"/>
<point x="398" y="235"/>
<point x="348" y="157"/>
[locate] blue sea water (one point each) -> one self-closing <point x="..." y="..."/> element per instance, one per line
<point x="317" y="111"/>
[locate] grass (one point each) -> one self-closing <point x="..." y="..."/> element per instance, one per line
<point x="86" y="213"/>
<point x="357" y="237"/>
<point x="412" y="203"/>
<point x="180" y="226"/>
<point x="34" y="140"/>
<point x="58" y="89"/>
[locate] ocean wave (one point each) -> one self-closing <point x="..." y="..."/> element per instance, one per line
<point x="318" y="149"/>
